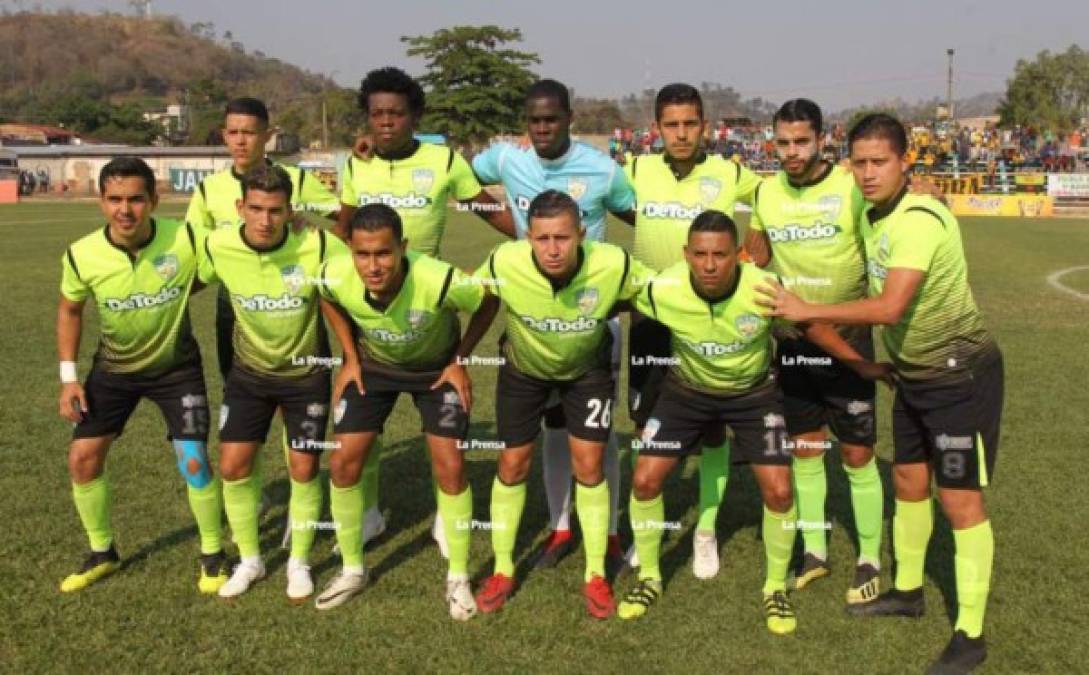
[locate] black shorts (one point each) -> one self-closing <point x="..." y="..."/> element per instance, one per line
<point x="251" y="400"/>
<point x="819" y="390"/>
<point x="520" y="402"/>
<point x="180" y="395"/>
<point x="677" y="423"/>
<point x="649" y="353"/>
<point x="553" y="416"/>
<point x="952" y="424"/>
<point x="441" y="412"/>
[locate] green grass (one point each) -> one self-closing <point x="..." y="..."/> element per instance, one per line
<point x="150" y="617"/>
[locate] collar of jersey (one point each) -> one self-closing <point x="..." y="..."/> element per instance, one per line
<point x="558" y="160"/>
<point x="557" y="287"/>
<point x="828" y="166"/>
<point x="238" y="177"/>
<point x="270" y="249"/>
<point x="881" y="212"/>
<point x="373" y="302"/>
<point x="669" y="164"/>
<point x="416" y="145"/>
<point x="144" y="244"/>
<point x="725" y="296"/>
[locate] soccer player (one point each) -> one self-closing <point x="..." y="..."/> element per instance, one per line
<point x="671" y="189"/>
<point x="281" y="361"/>
<point x="805" y="221"/>
<point x="559" y="291"/>
<point x="139" y="272"/>
<point x="402" y="306"/>
<point x="721" y="346"/>
<point x="599" y="187"/>
<point x="949" y="375"/>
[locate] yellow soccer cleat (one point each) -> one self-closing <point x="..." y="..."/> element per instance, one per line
<point x="213" y="573"/>
<point x="866" y="585"/>
<point x="97" y="565"/>
<point x="779" y="613"/>
<point x="638" y="600"/>
<point x="813" y="568"/>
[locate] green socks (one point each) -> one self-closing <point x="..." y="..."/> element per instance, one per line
<point x="592" y="506"/>
<point x="810" y="491"/>
<point x="911" y="527"/>
<point x="346" y="507"/>
<point x="304" y="510"/>
<point x="240" y="501"/>
<point x="370" y="476"/>
<point x="867" y="499"/>
<point x="974" y="555"/>
<point x="714" y="472"/>
<point x="457" y="521"/>
<point x="93" y="504"/>
<point x="647" y="520"/>
<point x="206" y="503"/>
<point x="506" y="512"/>
<point x="778" y="531"/>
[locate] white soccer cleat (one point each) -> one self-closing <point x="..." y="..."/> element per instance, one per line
<point x="300" y="585"/>
<point x="705" y="563"/>
<point x="344" y="586"/>
<point x="244" y="575"/>
<point x="439" y="535"/>
<point x="460" y="598"/>
<point x="374" y="524"/>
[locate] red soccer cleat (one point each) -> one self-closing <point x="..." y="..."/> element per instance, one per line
<point x="599" y="598"/>
<point x="494" y="593"/>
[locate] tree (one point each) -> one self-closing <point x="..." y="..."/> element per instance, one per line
<point x="475" y="84"/>
<point x="1051" y="92"/>
<point x="596" y="116"/>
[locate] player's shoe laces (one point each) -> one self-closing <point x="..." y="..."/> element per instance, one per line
<point x="439" y="535"/>
<point x="300" y="585"/>
<point x="374" y="524"/>
<point x="494" y="593"/>
<point x="705" y="564"/>
<point x="559" y="544"/>
<point x="639" y="599"/>
<point x="779" y="613"/>
<point x="960" y="656"/>
<point x="892" y="603"/>
<point x="459" y="596"/>
<point x="244" y="575"/>
<point x="866" y="585"/>
<point x="97" y="565"/>
<point x="344" y="586"/>
<point x="813" y="568"/>
<point x="599" y="597"/>
<point x="213" y="572"/>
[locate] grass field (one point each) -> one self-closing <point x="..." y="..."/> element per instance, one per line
<point x="151" y="618"/>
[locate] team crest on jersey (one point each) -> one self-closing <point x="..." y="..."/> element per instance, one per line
<point x="577" y="186"/>
<point x="830" y="206"/>
<point x="747" y="325"/>
<point x="709" y="189"/>
<point x="338" y="412"/>
<point x="422" y="180"/>
<point x="586" y="300"/>
<point x="166" y="265"/>
<point x="417" y="317"/>
<point x="294" y="277"/>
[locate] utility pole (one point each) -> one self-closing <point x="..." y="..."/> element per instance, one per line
<point x="324" y="125"/>
<point x="949" y="87"/>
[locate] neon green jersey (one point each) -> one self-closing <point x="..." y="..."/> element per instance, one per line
<point x="278" y="331"/>
<point x="558" y="333"/>
<point x="419" y="329"/>
<point x="718" y="346"/>
<point x="942" y="331"/>
<point x="418" y="187"/>
<point x="142" y="299"/>
<point x="666" y="205"/>
<point x="213" y="204"/>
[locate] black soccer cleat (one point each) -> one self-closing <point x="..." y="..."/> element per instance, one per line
<point x="960" y="656"/>
<point x="892" y="603"/>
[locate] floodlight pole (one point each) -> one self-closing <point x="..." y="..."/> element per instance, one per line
<point x="949" y="87"/>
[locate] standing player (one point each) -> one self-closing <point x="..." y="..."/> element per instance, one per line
<point x="671" y="189"/>
<point x="949" y="375"/>
<point x="599" y="187"/>
<point x="403" y="308"/>
<point x="559" y="291"/>
<point x="806" y="222"/>
<point x="139" y="271"/>
<point x="281" y="362"/>
<point x="722" y="349"/>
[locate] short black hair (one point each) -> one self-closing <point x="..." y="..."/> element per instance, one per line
<point x="548" y="88"/>
<point x="267" y="178"/>
<point x="248" y="106"/>
<point x="552" y="203"/>
<point x="677" y="93"/>
<point x="800" y="110"/>
<point x="127" y="167"/>
<point x="391" y="80"/>
<point x="879" y="125"/>
<point x="713" y="221"/>
<point x="375" y="217"/>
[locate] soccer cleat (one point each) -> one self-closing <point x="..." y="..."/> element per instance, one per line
<point x="960" y="656"/>
<point x="344" y="586"/>
<point x="892" y="603"/>
<point x="439" y="535"/>
<point x="559" y="544"/>
<point x="374" y="524"/>
<point x="705" y="563"/>
<point x="813" y="568"/>
<point x="599" y="597"/>
<point x="638" y="600"/>
<point x="459" y="596"/>
<point x="244" y="575"/>
<point x="213" y="572"/>
<point x="866" y="585"/>
<point x="97" y="565"/>
<point x="299" y="584"/>
<point x="779" y="613"/>
<point x="494" y="593"/>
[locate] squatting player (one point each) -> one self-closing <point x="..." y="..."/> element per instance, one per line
<point x="139" y="272"/>
<point x="949" y="375"/>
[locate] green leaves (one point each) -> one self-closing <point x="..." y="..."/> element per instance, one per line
<point x="1051" y="92"/>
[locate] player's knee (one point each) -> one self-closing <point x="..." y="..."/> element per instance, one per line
<point x="304" y="466"/>
<point x="645" y="485"/>
<point x="513" y="470"/>
<point x="345" y="471"/>
<point x="779" y="496"/>
<point x="856" y="456"/>
<point x="235" y="468"/>
<point x="193" y="462"/>
<point x="963" y="508"/>
<point x="911" y="481"/>
<point x="84" y="464"/>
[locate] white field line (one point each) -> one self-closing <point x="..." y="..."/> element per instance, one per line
<point x="1053" y="280"/>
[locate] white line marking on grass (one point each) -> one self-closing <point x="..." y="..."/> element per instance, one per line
<point x="1053" y="281"/>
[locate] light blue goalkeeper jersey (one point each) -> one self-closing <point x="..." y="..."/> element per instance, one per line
<point x="590" y="176"/>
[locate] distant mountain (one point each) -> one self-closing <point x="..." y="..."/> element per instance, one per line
<point x="923" y="110"/>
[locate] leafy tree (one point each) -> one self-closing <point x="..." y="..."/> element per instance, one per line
<point x="1051" y="92"/>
